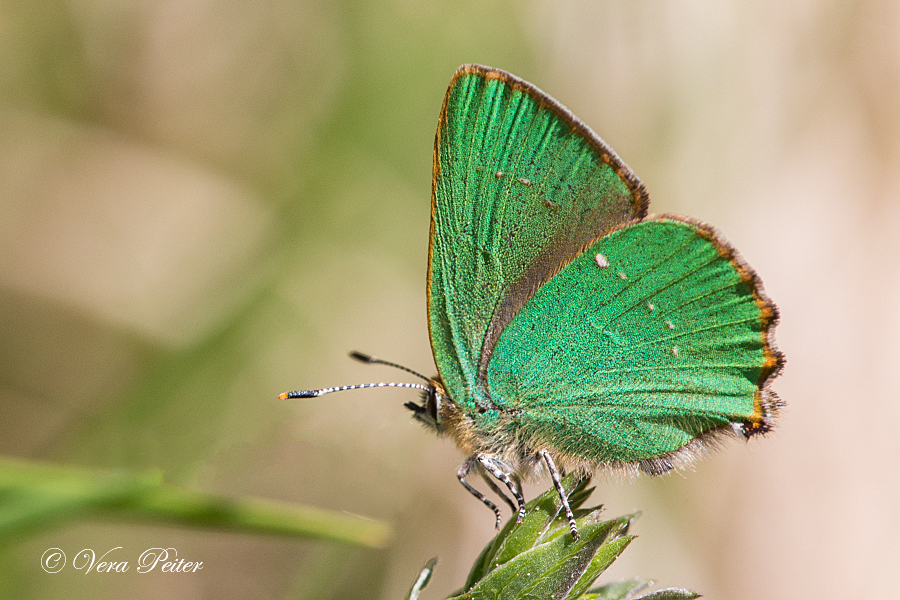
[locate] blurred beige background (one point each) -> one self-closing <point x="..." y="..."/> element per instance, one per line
<point x="205" y="203"/>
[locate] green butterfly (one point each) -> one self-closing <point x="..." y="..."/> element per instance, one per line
<point x="570" y="330"/>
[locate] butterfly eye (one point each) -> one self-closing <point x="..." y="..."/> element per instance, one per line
<point x="433" y="406"/>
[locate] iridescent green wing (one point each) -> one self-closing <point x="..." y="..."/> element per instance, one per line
<point x="655" y="336"/>
<point x="520" y="186"/>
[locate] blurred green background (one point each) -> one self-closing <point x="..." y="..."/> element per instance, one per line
<point x="204" y="203"/>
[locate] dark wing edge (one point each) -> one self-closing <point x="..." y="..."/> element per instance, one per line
<point x="766" y="404"/>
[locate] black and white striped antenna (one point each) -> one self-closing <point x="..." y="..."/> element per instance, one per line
<point x="365" y="358"/>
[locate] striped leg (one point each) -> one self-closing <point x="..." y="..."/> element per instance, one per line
<point x="461" y="475"/>
<point x="562" y="493"/>
<point x="496" y="489"/>
<point x="493" y="467"/>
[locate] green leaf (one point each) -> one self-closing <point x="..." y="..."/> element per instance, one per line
<point x="580" y="494"/>
<point x="515" y="538"/>
<point x="537" y="559"/>
<point x="619" y="590"/>
<point x="422" y="580"/>
<point x="602" y="559"/>
<point x="553" y="568"/>
<point x="36" y="496"/>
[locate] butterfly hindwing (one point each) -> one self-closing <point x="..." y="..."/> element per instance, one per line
<point x="656" y="335"/>
<point x="519" y="187"/>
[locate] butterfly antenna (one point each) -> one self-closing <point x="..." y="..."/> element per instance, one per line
<point x="365" y="358"/>
<point x="322" y="392"/>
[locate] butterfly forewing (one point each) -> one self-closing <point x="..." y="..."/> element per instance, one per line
<point x="520" y="188"/>
<point x="654" y="336"/>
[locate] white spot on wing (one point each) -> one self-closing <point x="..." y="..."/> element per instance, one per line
<point x="524" y="181"/>
<point x="601" y="261"/>
<point x="651" y="306"/>
<point x="669" y="324"/>
<point x="498" y="174"/>
<point x="675" y="350"/>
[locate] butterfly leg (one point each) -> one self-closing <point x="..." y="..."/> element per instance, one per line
<point x="496" y="489"/>
<point x="554" y="473"/>
<point x="462" y="474"/>
<point x="493" y="467"/>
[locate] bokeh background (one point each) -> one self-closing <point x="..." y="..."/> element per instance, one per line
<point x="204" y="203"/>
